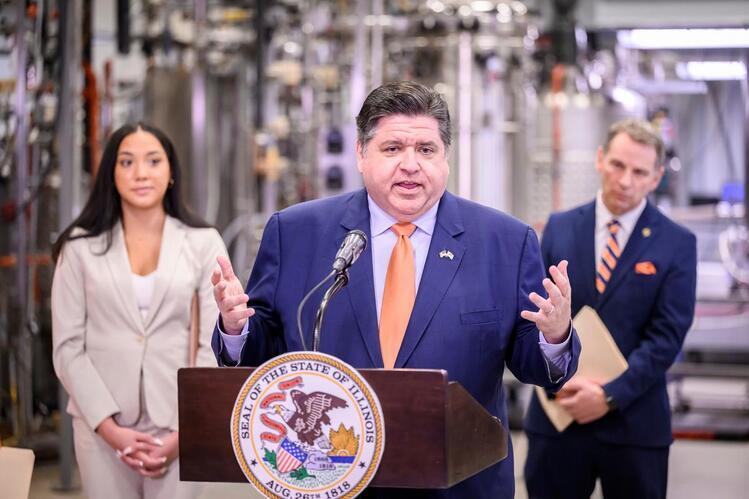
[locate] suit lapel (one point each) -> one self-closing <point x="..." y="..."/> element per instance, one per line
<point x="172" y="240"/>
<point x="119" y="269"/>
<point x="586" y="231"/>
<point x="437" y="275"/>
<point x="636" y="244"/>
<point x="360" y="289"/>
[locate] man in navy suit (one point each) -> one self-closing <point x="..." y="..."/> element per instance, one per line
<point x="479" y="275"/>
<point x="637" y="269"/>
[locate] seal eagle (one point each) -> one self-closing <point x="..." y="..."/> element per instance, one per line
<point x="311" y="411"/>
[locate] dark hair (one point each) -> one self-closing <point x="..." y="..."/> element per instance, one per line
<point x="402" y="97"/>
<point x="104" y="209"/>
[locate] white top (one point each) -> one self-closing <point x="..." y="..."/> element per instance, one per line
<point x="627" y="222"/>
<point x="143" y="286"/>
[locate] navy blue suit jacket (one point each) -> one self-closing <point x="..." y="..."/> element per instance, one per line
<point x="647" y="315"/>
<point x="466" y="318"/>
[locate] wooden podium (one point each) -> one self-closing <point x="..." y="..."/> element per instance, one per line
<point x="436" y="433"/>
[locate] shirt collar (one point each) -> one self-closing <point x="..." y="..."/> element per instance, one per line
<point x="380" y="221"/>
<point x="626" y="220"/>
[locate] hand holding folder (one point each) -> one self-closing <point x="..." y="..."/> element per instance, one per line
<point x="600" y="360"/>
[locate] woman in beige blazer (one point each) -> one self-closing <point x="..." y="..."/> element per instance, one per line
<point x="127" y="272"/>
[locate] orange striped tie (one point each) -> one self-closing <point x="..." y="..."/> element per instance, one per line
<point x="399" y="294"/>
<point x="609" y="257"/>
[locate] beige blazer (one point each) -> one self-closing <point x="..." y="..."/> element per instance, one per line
<point x="101" y="345"/>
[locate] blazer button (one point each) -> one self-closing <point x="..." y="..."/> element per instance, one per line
<point x="141" y="339"/>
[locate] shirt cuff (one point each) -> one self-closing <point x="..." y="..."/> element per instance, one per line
<point x="233" y="343"/>
<point x="556" y="355"/>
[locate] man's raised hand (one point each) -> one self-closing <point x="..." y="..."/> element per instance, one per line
<point x="230" y="297"/>
<point x="553" y="317"/>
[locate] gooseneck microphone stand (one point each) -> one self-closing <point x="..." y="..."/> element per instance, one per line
<point x="341" y="279"/>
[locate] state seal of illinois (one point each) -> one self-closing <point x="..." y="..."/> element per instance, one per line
<point x="306" y="425"/>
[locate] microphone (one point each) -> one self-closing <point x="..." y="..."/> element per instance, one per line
<point x="352" y="246"/>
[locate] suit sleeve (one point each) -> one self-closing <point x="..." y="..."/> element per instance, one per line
<point x="526" y="361"/>
<point x="265" y="338"/>
<point x="71" y="362"/>
<point x="664" y="334"/>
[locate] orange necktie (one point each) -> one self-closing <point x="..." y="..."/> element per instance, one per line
<point x="399" y="294"/>
<point x="609" y="257"/>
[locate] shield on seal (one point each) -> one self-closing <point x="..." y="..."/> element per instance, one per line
<point x="289" y="456"/>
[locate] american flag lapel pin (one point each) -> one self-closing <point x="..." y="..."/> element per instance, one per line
<point x="446" y="254"/>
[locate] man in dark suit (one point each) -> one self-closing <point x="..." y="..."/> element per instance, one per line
<point x="478" y="273"/>
<point x="637" y="269"/>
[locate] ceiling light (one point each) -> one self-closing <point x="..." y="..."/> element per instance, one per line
<point x="691" y="38"/>
<point x="711" y="70"/>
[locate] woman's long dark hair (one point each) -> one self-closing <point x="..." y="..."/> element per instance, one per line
<point x="104" y="208"/>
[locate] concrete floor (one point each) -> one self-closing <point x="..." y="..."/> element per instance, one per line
<point x="697" y="470"/>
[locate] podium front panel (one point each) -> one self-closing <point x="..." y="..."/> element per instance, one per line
<point x="414" y="404"/>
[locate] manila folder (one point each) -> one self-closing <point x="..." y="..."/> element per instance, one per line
<point x="600" y="359"/>
<point x="16" y="466"/>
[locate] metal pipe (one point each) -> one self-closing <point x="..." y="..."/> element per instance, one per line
<point x="745" y="91"/>
<point x="377" y="58"/>
<point x="265" y="191"/>
<point x="465" y="71"/>
<point x="198" y="114"/>
<point x="69" y="164"/>
<point x="123" y="26"/>
<point x="243" y="189"/>
<point x="312" y="113"/>
<point x="310" y="136"/>
<point x="38" y="46"/>
<point x="23" y="360"/>
<point x="358" y="83"/>
<point x="260" y="63"/>
<point x="557" y="88"/>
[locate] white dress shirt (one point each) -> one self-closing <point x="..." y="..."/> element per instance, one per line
<point x="383" y="241"/>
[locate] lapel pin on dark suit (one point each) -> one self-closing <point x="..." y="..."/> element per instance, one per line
<point x="446" y="254"/>
<point x="646" y="232"/>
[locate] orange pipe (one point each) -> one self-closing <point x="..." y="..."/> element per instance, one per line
<point x="37" y="259"/>
<point x="557" y="86"/>
<point x="91" y="103"/>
